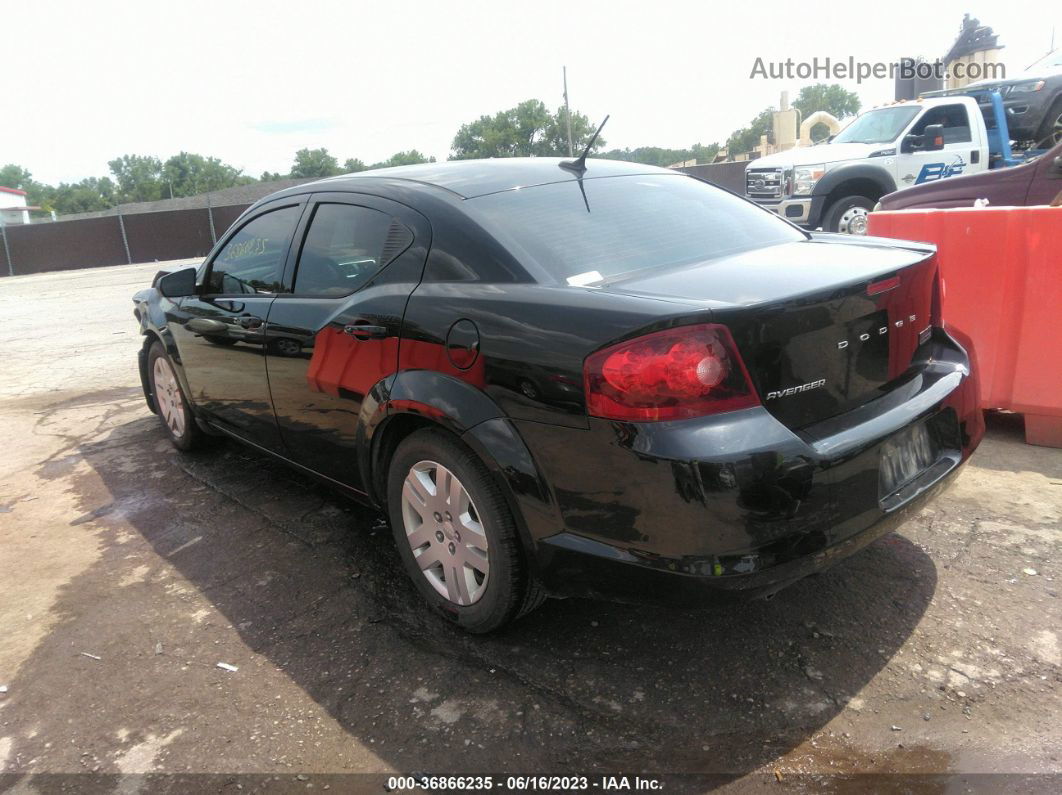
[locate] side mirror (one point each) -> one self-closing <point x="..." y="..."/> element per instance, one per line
<point x="933" y="138"/>
<point x="178" y="284"/>
<point x="1057" y="164"/>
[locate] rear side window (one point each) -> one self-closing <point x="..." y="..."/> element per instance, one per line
<point x="345" y="247"/>
<point x="253" y="259"/>
<point x="626" y="224"/>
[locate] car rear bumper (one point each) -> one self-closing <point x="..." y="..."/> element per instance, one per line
<point x="738" y="504"/>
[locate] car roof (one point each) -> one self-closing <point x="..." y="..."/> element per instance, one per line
<point x="471" y="178"/>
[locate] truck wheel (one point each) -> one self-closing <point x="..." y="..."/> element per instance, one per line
<point x="455" y="534"/>
<point x="848" y="215"/>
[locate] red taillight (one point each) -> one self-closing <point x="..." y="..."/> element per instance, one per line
<point x="876" y="288"/>
<point x="668" y="375"/>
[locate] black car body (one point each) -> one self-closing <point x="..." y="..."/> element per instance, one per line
<point x="563" y="328"/>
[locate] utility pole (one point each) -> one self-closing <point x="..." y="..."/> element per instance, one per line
<point x="568" y="113"/>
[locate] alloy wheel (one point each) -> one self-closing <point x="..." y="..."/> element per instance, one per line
<point x="168" y="398"/>
<point x="287" y="347"/>
<point x="445" y="533"/>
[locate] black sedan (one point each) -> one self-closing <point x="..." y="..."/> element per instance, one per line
<point x="558" y="379"/>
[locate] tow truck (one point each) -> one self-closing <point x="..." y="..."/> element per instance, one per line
<point x="835" y="185"/>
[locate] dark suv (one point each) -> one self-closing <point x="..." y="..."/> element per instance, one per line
<point x="1033" y="102"/>
<point x="571" y="378"/>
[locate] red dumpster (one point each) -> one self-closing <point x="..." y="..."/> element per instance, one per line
<point x="1002" y="276"/>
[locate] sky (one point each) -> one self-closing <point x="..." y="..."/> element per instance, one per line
<point x="252" y="82"/>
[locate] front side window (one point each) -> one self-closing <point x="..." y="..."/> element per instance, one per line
<point x="345" y="247"/>
<point x="877" y="126"/>
<point x="253" y="259"/>
<point x="611" y="226"/>
<point x="954" y="118"/>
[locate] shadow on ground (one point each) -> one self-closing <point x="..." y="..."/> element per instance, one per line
<point x="312" y="584"/>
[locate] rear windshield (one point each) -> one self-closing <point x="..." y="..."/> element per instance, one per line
<point x="625" y="224"/>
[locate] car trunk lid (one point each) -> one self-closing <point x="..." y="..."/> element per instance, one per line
<point x="823" y="325"/>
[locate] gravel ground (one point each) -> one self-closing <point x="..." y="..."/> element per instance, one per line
<point x="129" y="571"/>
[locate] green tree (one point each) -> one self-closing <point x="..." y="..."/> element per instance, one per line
<point x="353" y="165"/>
<point x="270" y="176"/>
<point x="554" y="139"/>
<point x="139" y="178"/>
<point x="13" y="176"/>
<point x="88" y="195"/>
<point x="748" y="138"/>
<point x="834" y="99"/>
<point x="187" y="174"/>
<point x="528" y="129"/>
<point x="659" y="156"/>
<point x="314" y="163"/>
<point x="410" y="158"/>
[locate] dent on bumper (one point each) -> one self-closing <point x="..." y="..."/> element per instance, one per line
<point x="738" y="503"/>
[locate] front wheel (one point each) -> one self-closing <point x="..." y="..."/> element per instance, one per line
<point x="848" y="215"/>
<point x="170" y="402"/>
<point x="456" y="535"/>
<point x="1050" y="132"/>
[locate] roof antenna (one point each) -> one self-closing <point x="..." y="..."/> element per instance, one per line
<point x="579" y="165"/>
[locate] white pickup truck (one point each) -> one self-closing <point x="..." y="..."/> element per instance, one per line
<point x="835" y="185"/>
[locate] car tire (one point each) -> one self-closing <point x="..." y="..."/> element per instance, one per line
<point x="1050" y="132"/>
<point x="528" y="389"/>
<point x="479" y="589"/>
<point x="848" y="215"/>
<point x="285" y="346"/>
<point x="171" y="404"/>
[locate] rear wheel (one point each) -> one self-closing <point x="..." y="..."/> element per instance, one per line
<point x="848" y="215"/>
<point x="456" y="535"/>
<point x="172" y="407"/>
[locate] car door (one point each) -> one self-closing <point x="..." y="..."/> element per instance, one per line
<point x="220" y="331"/>
<point x="956" y="158"/>
<point x="334" y="337"/>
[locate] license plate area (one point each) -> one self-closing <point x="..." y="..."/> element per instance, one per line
<point x="905" y="456"/>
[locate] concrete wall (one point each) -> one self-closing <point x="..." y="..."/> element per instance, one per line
<point x="726" y="175"/>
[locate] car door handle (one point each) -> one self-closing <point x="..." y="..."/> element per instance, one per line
<point x="364" y="331"/>
<point x="250" y="321"/>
